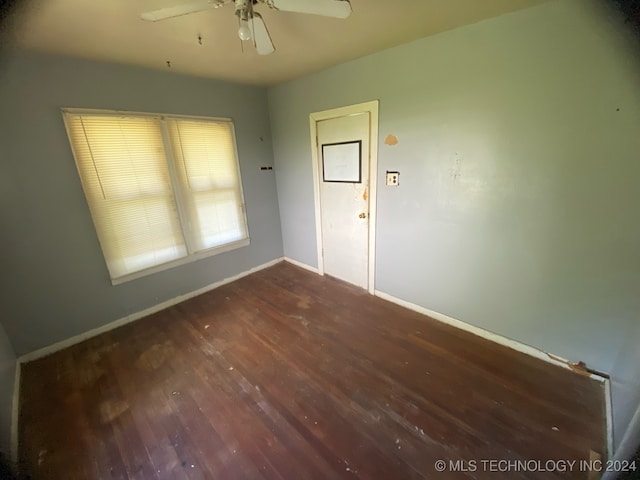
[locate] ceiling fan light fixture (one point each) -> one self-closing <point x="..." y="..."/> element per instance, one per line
<point x="251" y="26"/>
<point x="244" y="32"/>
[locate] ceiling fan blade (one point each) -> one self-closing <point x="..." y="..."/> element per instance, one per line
<point x="326" y="8"/>
<point x="261" y="37"/>
<point x="179" y="10"/>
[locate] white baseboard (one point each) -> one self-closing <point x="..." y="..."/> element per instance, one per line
<point x="49" y="349"/>
<point x="513" y="344"/>
<point x="608" y="418"/>
<point x="15" y="410"/>
<point x="494" y="337"/>
<point x="627" y="446"/>
<point x="301" y="265"/>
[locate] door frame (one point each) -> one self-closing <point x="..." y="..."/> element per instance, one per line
<point x="372" y="108"/>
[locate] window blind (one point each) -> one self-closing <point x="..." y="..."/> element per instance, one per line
<point x="208" y="177"/>
<point x="124" y="174"/>
<point x="160" y="189"/>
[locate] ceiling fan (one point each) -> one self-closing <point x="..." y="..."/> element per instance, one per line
<point x="251" y="25"/>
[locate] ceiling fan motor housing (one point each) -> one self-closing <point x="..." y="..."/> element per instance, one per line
<point x="243" y="9"/>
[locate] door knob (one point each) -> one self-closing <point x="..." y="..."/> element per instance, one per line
<point x="362" y="215"/>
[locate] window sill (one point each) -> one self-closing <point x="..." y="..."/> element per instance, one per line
<point x="181" y="261"/>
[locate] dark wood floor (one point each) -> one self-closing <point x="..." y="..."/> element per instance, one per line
<point x="288" y="375"/>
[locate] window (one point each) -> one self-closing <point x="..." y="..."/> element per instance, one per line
<point x="162" y="190"/>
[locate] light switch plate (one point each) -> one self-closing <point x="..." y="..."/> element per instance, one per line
<point x="393" y="179"/>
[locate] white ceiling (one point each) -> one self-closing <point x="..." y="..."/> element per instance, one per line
<point x="111" y="30"/>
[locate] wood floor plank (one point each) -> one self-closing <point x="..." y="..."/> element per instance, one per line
<point x="285" y="374"/>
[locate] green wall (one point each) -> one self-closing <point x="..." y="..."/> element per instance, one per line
<point x="519" y="164"/>
<point x="54" y="282"/>
<point x="516" y="211"/>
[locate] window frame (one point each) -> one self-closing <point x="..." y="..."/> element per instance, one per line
<point x="192" y="256"/>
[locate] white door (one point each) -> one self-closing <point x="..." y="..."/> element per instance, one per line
<point x="344" y="195"/>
